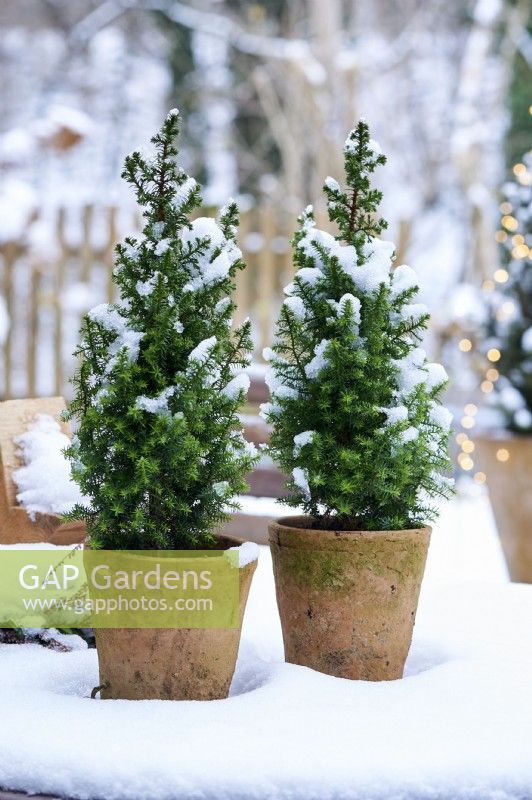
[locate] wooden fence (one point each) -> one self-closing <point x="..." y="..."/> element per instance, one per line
<point x="47" y="288"/>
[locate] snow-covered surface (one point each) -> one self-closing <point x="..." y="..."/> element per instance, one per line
<point x="44" y="483"/>
<point x="459" y="725"/>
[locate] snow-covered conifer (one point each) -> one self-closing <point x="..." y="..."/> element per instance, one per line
<point x="355" y="407"/>
<point x="509" y="325"/>
<point x="159" y="452"/>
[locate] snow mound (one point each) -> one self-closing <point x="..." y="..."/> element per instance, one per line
<point x="457" y="727"/>
<point x="45" y="484"/>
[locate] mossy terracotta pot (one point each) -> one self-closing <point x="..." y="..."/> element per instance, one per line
<point x="507" y="462"/>
<point x="347" y="599"/>
<point x="172" y="663"/>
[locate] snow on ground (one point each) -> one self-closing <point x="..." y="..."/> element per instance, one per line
<point x="459" y="725"/>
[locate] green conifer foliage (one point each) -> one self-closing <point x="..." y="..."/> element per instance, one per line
<point x="357" y="421"/>
<point x="508" y="326"/>
<point x="159" y="453"/>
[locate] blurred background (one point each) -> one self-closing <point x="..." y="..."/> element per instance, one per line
<point x="268" y="91"/>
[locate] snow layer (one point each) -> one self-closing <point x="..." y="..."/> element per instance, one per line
<point x="457" y="727"/>
<point x="44" y="483"/>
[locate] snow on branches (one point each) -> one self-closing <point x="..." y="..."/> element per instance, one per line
<point x="160" y="453"/>
<point x="355" y="406"/>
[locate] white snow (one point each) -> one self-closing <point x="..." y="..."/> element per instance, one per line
<point x="156" y="405"/>
<point x="247" y="553"/>
<point x="44" y="484"/>
<point x="310" y="275"/>
<point x="301" y="480"/>
<point x="436" y="375"/>
<point x="296" y="306"/>
<point x="240" y="383"/>
<point x="211" y="268"/>
<point x="440" y="416"/>
<point x="355" y="306"/>
<point x="410" y="372"/>
<point x="332" y="184"/>
<point x="413" y="312"/>
<point x="302" y="439"/>
<point x="145" y="288"/>
<point x="457" y="727"/>
<point x="395" y="414"/>
<point x="409" y="435"/>
<point x="403" y="278"/>
<point x="202" y="351"/>
<point x="319" y="361"/>
<point x="183" y="192"/>
<point x="162" y="246"/>
<point x="108" y="316"/>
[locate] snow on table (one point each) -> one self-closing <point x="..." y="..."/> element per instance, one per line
<point x="459" y="725"/>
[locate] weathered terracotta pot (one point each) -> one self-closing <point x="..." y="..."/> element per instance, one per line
<point x="347" y="599"/>
<point x="510" y="492"/>
<point x="171" y="663"/>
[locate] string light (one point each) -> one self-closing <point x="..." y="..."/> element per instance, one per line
<point x="467" y="422"/>
<point x="520" y="251"/>
<point x="518" y="239"/>
<point x="488" y="285"/>
<point x="479" y="477"/>
<point x="471" y="409"/>
<point x="465" y="461"/>
<point x="492" y="374"/>
<point x="501" y="236"/>
<point x="493" y="354"/>
<point x="509" y="222"/>
<point x="461" y="437"/>
<point x="486" y="387"/>
<point x="502" y="454"/>
<point x="465" y="345"/>
<point x="506" y="207"/>
<point x="519" y="169"/>
<point x="468" y="446"/>
<point x="500" y="275"/>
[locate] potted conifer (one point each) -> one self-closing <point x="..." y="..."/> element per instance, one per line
<point x="159" y="451"/>
<point x="505" y="454"/>
<point x="358" y="426"/>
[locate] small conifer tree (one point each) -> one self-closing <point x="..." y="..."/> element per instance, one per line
<point x="509" y="320"/>
<point x="357" y="421"/>
<point x="159" y="453"/>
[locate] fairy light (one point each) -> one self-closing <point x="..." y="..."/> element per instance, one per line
<point x="492" y="374"/>
<point x="486" y="387"/>
<point x="493" y="354"/>
<point x="501" y="236"/>
<point x="520" y="251"/>
<point x="461" y="437"/>
<point x="468" y="447"/>
<point x="488" y="285"/>
<point x="502" y="454"/>
<point x="506" y="207"/>
<point x="465" y="345"/>
<point x="518" y="238"/>
<point x="479" y="477"/>
<point x="519" y="169"/>
<point x="471" y="409"/>
<point x="467" y="422"/>
<point x="466" y="462"/>
<point x="509" y="222"/>
<point x="500" y="275"/>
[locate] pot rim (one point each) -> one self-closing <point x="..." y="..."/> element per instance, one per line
<point x="284" y="523"/>
<point x="233" y="542"/>
<point x="282" y="534"/>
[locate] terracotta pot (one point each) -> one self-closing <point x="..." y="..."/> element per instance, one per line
<point x="171" y="663"/>
<point x="510" y="491"/>
<point x="347" y="599"/>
